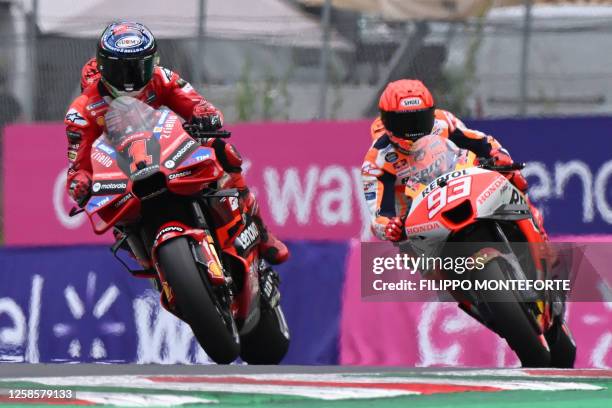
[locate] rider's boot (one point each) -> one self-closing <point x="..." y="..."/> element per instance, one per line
<point x="272" y="249"/>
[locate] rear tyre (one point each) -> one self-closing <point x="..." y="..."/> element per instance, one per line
<point x="512" y="322"/>
<point x="194" y="301"/>
<point x="268" y="342"/>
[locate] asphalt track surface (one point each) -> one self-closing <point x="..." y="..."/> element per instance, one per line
<point x="306" y="386"/>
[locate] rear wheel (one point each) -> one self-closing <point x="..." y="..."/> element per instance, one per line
<point x="512" y="321"/>
<point x="194" y="301"/>
<point x="268" y="342"/>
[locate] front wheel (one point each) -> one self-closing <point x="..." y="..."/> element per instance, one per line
<point x="194" y="301"/>
<point x="562" y="345"/>
<point x="268" y="342"/>
<point x="512" y="322"/>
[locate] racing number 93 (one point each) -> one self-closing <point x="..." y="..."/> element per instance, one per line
<point x="454" y="190"/>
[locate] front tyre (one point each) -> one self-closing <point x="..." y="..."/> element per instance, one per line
<point x="512" y="322"/>
<point x="194" y="301"/>
<point x="268" y="342"/>
<point x="562" y="345"/>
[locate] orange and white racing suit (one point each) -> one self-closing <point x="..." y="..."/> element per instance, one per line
<point x="385" y="167"/>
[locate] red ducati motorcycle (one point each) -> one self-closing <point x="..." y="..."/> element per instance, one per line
<point x="158" y="185"/>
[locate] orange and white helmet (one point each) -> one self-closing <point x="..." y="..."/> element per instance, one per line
<point x="407" y="111"/>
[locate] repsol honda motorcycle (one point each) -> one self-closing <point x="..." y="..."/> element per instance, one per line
<point x="462" y="207"/>
<point x="155" y="182"/>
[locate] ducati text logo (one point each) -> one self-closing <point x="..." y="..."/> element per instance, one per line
<point x="248" y="236"/>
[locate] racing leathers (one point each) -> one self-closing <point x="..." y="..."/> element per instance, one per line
<point x="385" y="169"/>
<point x="85" y="123"/>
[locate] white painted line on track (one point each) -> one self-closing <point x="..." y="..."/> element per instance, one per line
<point x="140" y="400"/>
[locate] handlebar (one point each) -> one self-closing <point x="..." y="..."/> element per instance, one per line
<point x="502" y="169"/>
<point x="196" y="132"/>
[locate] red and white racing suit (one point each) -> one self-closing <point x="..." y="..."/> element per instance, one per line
<point x="85" y="123"/>
<point x="385" y="167"/>
<point x="85" y="117"/>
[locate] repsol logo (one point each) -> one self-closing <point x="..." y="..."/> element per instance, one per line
<point x="248" y="237"/>
<point x="181" y="152"/>
<point x="443" y="178"/>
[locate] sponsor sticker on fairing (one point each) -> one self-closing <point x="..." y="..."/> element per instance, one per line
<point x="179" y="175"/>
<point x="199" y="155"/>
<point x="97" y="202"/>
<point x="170" y="228"/>
<point x="109" y="186"/>
<point x="168" y="125"/>
<point x="98" y="144"/>
<point x="144" y="171"/>
<point x="123" y="200"/>
<point x="180" y="153"/>
<point x="102" y="158"/>
<point x="248" y="237"/>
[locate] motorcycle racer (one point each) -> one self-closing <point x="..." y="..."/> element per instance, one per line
<point x="126" y="64"/>
<point x="407" y="113"/>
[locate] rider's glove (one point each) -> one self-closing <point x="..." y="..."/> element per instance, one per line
<point x="80" y="187"/>
<point x="206" y="117"/>
<point x="394" y="231"/>
<point x="502" y="158"/>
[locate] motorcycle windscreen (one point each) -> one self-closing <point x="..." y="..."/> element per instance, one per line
<point x="125" y="119"/>
<point x="430" y="157"/>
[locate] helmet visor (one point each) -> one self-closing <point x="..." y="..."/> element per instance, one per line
<point x="409" y="124"/>
<point x="127" y="74"/>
